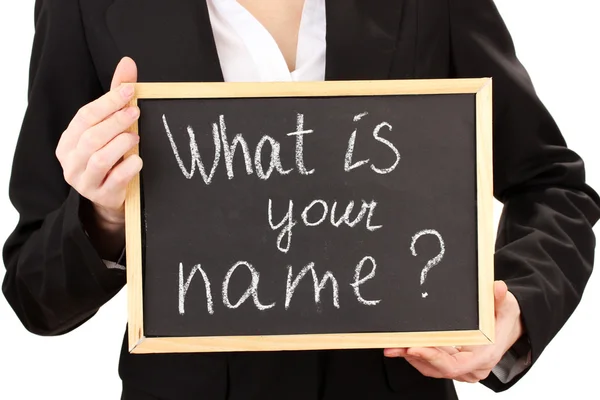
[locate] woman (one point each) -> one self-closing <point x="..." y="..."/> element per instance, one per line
<point x="63" y="259"/>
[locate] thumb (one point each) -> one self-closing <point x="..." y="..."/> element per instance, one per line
<point x="126" y="72"/>
<point x="500" y="291"/>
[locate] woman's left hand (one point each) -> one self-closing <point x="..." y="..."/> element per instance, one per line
<point x="470" y="363"/>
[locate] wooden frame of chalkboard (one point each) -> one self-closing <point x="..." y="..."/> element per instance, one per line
<point x="480" y="87"/>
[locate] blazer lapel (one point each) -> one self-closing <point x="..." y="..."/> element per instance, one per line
<point x="362" y="38"/>
<point x="170" y="40"/>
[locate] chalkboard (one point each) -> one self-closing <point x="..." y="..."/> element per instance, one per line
<point x="313" y="215"/>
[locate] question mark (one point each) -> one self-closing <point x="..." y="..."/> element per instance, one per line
<point x="434" y="261"/>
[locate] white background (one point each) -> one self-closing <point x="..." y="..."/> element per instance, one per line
<point x="559" y="44"/>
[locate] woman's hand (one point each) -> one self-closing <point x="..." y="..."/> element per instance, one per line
<point x="470" y="363"/>
<point x="91" y="152"/>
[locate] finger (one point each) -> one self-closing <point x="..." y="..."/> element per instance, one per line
<point x="482" y="374"/>
<point x="95" y="138"/>
<point x="92" y="114"/>
<point x="395" y="352"/>
<point x="449" y="349"/>
<point x="102" y="161"/>
<point x="468" y="378"/>
<point x="89" y="115"/>
<point x="474" y="377"/>
<point x="125" y="72"/>
<point x="99" y="135"/>
<point x="403" y="352"/>
<point x="112" y="192"/>
<point x="424" y="367"/>
<point x="449" y="365"/>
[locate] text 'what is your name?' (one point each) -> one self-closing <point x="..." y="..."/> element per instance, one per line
<point x="353" y="214"/>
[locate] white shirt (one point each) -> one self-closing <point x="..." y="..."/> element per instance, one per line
<point x="248" y="53"/>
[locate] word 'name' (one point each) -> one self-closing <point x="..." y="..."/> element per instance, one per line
<point x="254" y="164"/>
<point x="292" y="283"/>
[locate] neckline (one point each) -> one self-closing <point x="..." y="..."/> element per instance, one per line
<point x="265" y="51"/>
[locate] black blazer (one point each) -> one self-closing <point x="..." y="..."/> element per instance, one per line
<point x="55" y="279"/>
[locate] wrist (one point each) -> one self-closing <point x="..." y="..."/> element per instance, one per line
<point x="105" y="229"/>
<point x="108" y="220"/>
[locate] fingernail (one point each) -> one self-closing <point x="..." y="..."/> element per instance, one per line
<point x="133" y="112"/>
<point x="127" y="91"/>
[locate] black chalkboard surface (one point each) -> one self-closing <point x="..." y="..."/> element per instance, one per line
<point x="311" y="215"/>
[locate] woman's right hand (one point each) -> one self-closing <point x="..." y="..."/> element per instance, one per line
<point x="92" y="152"/>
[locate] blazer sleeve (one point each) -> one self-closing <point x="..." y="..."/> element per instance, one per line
<point x="545" y="243"/>
<point x="55" y="280"/>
